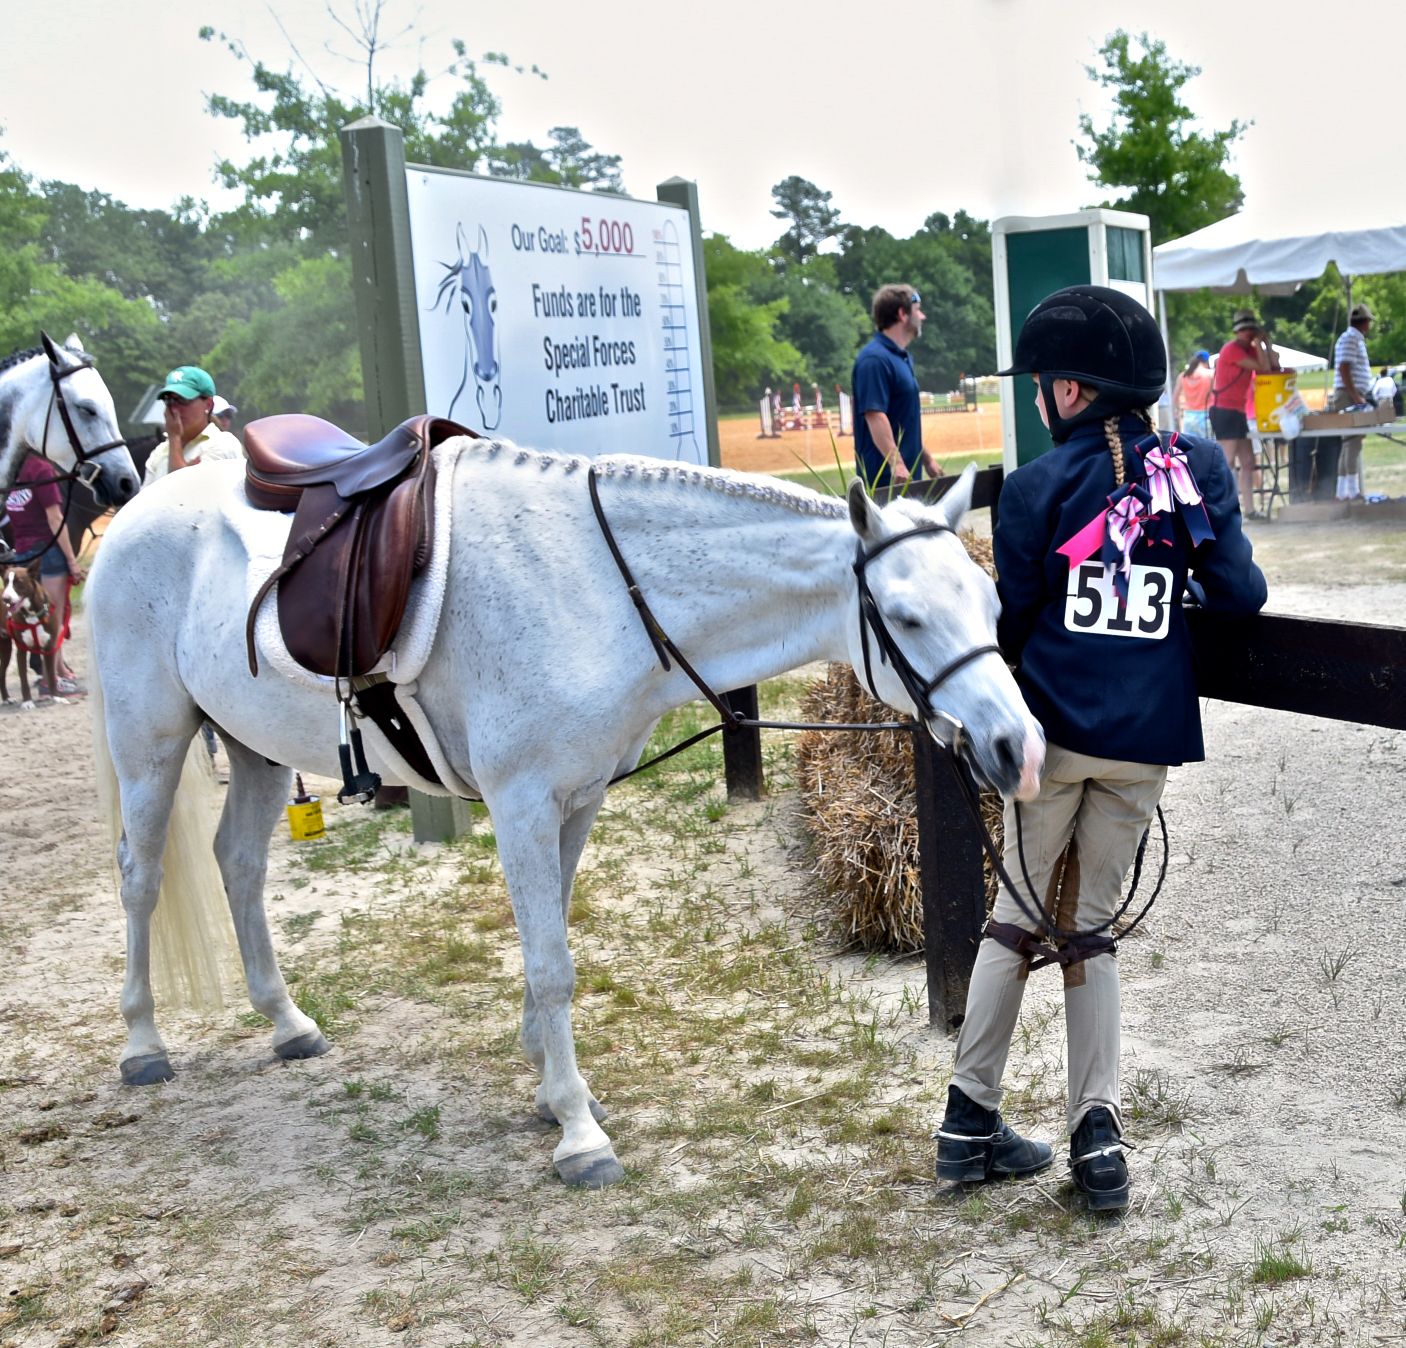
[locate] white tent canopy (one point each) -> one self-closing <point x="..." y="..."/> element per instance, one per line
<point x="1275" y="255"/>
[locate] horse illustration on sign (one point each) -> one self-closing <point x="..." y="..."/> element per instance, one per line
<point x="470" y="280"/>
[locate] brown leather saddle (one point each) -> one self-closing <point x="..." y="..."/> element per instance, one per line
<point x="362" y="530"/>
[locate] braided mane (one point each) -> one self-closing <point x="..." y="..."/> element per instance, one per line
<point x="630" y="469"/>
<point x="19" y="357"/>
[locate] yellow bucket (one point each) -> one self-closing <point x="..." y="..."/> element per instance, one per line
<point x="1272" y="391"/>
<point x="305" y="819"/>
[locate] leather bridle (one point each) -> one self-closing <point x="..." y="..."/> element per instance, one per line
<point x="871" y="618"/>
<point x="83" y="470"/>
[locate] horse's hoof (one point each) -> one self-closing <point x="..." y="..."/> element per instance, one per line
<point x="598" y="1112"/>
<point x="595" y="1169"/>
<point x="146" y="1069"/>
<point x="309" y="1045"/>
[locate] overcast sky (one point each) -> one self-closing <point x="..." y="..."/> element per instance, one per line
<point x="899" y="110"/>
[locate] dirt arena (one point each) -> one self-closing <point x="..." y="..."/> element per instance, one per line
<point x="954" y="435"/>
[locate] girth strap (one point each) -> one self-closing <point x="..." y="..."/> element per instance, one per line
<point x="1077" y="948"/>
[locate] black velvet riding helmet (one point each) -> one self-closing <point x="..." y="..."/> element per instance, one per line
<point x="1102" y="338"/>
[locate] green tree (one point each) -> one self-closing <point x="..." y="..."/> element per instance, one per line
<point x="300" y="354"/>
<point x="948" y="261"/>
<point x="1149" y="155"/>
<point x="812" y="218"/>
<point x="825" y="325"/>
<point x="37" y="294"/>
<point x="748" y="355"/>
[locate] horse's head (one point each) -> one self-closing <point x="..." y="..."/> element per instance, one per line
<point x="925" y="637"/>
<point x="79" y="428"/>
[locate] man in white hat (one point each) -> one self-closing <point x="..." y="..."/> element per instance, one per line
<point x="1352" y="386"/>
<point x="224" y="413"/>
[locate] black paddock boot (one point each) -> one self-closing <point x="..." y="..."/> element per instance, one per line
<point x="977" y="1144"/>
<point x="1096" y="1162"/>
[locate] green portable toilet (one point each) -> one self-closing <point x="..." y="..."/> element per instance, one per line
<point x="1033" y="255"/>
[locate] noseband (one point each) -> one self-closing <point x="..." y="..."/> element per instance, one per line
<point x="890" y="653"/>
<point x="83" y="470"/>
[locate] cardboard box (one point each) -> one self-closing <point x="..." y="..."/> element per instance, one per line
<point x="1349" y="421"/>
<point x="1325" y="421"/>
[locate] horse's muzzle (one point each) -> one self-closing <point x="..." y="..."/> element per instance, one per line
<point x="115" y="486"/>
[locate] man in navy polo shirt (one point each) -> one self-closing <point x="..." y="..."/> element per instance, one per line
<point x="888" y="424"/>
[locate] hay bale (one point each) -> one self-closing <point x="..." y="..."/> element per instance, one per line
<point x="858" y="792"/>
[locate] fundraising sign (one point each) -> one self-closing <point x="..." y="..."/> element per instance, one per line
<point x="559" y="319"/>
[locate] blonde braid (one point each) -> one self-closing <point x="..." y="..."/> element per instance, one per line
<point x="1115" y="448"/>
<point x="1115" y="441"/>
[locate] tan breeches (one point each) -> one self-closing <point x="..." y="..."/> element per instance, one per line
<point x="1080" y="836"/>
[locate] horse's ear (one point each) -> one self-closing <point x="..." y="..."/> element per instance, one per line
<point x="73" y="342"/>
<point x="482" y="242"/>
<point x="50" y="349"/>
<point x="958" y="499"/>
<point x="864" y="514"/>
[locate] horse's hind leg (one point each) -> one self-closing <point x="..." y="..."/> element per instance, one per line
<point x="257" y="790"/>
<point x="573" y="841"/>
<point x="146" y="810"/>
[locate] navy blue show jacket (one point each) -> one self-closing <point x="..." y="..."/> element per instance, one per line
<point x="1106" y="678"/>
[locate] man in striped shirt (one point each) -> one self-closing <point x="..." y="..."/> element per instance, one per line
<point x="1352" y="385"/>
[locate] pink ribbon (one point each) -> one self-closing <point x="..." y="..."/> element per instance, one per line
<point x="1168" y="476"/>
<point x="1085" y="543"/>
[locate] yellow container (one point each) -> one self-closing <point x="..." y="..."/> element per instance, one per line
<point x="1272" y="391"/>
<point x="305" y="819"/>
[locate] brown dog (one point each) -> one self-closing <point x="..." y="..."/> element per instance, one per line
<point x="31" y="623"/>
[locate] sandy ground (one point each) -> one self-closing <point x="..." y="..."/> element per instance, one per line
<point x="949" y="434"/>
<point x="1266" y="995"/>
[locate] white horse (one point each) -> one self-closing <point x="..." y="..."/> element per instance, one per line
<point x="541" y="685"/>
<point x="53" y="402"/>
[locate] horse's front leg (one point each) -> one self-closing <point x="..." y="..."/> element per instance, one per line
<point x="529" y="831"/>
<point x="257" y="790"/>
<point x="573" y="841"/>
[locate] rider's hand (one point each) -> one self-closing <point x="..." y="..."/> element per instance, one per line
<point x="173" y="426"/>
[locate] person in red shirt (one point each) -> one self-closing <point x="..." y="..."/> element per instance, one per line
<point x="35" y="508"/>
<point x="1239" y="359"/>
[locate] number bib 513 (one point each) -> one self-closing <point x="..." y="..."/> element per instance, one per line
<point x="1092" y="603"/>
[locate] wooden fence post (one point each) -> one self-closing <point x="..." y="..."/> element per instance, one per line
<point x="953" y="886"/>
<point x="742" y="750"/>
<point x="388" y="325"/>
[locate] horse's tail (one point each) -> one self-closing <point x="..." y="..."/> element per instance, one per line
<point x="192" y="939"/>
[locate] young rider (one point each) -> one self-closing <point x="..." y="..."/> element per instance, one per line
<point x="1098" y="542"/>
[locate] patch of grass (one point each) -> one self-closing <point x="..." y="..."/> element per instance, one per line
<point x="1152" y="1099"/>
<point x="1276" y="1261"/>
<point x="532" y="1267"/>
<point x="297" y="925"/>
<point x="424" y="1121"/>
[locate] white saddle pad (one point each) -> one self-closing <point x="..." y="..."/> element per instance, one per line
<point x="264" y="534"/>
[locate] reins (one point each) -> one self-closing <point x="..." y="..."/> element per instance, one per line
<point x="921" y="691"/>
